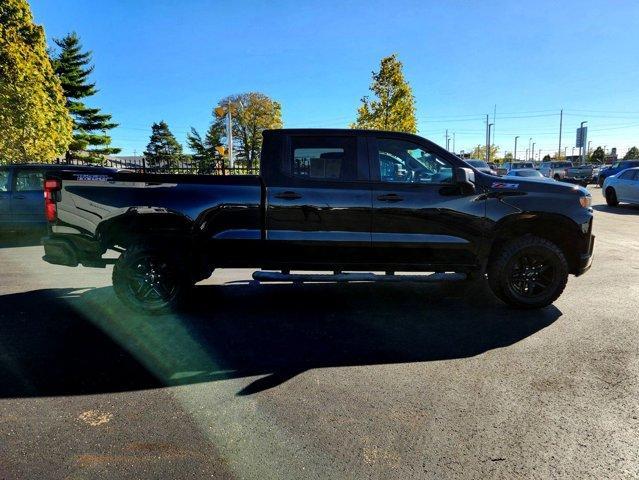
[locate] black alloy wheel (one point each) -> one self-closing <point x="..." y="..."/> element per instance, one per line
<point x="528" y="272"/>
<point x="148" y="280"/>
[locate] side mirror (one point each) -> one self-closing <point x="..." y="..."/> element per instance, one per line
<point x="465" y="177"/>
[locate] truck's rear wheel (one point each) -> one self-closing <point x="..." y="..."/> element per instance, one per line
<point x="149" y="280"/>
<point x="530" y="272"/>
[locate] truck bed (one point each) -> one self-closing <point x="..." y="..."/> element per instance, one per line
<point x="87" y="204"/>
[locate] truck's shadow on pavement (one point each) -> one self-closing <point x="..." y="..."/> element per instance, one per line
<point x="64" y="342"/>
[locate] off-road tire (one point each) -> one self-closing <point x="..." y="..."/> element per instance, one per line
<point x="137" y="261"/>
<point x="505" y="265"/>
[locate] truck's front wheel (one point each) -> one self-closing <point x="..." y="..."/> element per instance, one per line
<point x="529" y="272"/>
<point x="148" y="280"/>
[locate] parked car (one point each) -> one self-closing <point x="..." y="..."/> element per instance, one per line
<point x="622" y="187"/>
<point x="21" y="197"/>
<point x="616" y="168"/>
<point x="481" y="165"/>
<point x="556" y="170"/>
<point x="508" y="166"/>
<point x="529" y="173"/>
<point x="337" y="200"/>
<point x="581" y="174"/>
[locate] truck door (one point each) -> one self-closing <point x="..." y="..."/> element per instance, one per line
<point x="5" y="196"/>
<point x="318" y="201"/>
<point x="27" y="199"/>
<point x="421" y="216"/>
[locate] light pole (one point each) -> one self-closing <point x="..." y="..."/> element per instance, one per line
<point x="589" y="142"/>
<point x="529" y="142"/>
<point x="532" y="157"/>
<point x="515" y="154"/>
<point x="526" y="156"/>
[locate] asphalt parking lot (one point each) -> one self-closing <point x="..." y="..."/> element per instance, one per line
<point x="321" y="381"/>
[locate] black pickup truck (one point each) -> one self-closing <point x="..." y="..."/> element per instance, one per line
<point x="339" y="200"/>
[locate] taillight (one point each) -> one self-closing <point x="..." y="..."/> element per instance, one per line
<point x="51" y="186"/>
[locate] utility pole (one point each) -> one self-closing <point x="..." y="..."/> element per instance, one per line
<point x="490" y="126"/>
<point x="515" y="154"/>
<point x="494" y="116"/>
<point x="487" y="139"/>
<point x="561" y="122"/>
<point x="453" y="142"/>
<point x="229" y="134"/>
<point x="447" y="140"/>
<point x="589" y="142"/>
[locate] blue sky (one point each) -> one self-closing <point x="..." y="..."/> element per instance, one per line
<point x="173" y="60"/>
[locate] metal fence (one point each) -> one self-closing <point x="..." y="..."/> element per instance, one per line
<point x="191" y="167"/>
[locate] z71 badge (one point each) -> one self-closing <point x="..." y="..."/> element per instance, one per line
<point x="505" y="185"/>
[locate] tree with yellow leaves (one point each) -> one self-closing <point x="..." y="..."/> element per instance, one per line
<point x="393" y="108"/>
<point x="34" y="121"/>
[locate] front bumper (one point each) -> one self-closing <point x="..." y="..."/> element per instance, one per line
<point x="585" y="259"/>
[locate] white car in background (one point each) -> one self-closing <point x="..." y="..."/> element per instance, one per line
<point x="622" y="187"/>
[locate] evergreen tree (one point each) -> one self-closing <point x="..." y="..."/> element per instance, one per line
<point x="631" y="154"/>
<point x="34" y="122"/>
<point x="90" y="126"/>
<point x="204" y="149"/>
<point x="394" y="105"/>
<point x="163" y="151"/>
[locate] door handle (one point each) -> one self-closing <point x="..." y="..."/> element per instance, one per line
<point x="288" y="196"/>
<point x="390" y="197"/>
<point x="18" y="197"/>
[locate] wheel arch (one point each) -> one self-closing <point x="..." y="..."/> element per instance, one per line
<point x="556" y="228"/>
<point x="144" y="222"/>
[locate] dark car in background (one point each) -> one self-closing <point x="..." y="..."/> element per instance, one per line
<point x="22" y="197"/>
<point x="616" y="168"/>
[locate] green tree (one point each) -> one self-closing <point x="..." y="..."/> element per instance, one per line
<point x="163" y="151"/>
<point x="597" y="156"/>
<point x="393" y="107"/>
<point x="251" y="114"/>
<point x="631" y="154"/>
<point x="546" y="158"/>
<point x="34" y="122"/>
<point x="204" y="150"/>
<point x="480" y="152"/>
<point x="90" y="126"/>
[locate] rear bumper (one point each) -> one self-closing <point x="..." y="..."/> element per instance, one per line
<point x="59" y="251"/>
<point x="71" y="251"/>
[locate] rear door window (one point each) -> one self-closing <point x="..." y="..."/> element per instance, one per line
<point x="324" y="158"/>
<point x="29" y="181"/>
